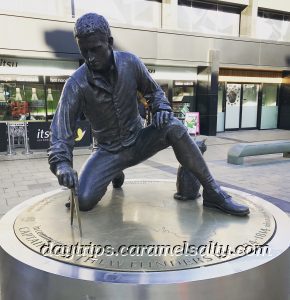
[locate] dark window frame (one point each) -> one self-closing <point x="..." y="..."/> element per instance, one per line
<point x="212" y="5"/>
<point x="273" y="14"/>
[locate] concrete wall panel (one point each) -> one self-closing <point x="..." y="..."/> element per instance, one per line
<point x="31" y="37"/>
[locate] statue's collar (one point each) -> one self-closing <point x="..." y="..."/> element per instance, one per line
<point x="97" y="78"/>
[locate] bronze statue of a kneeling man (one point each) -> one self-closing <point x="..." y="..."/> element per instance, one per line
<point x="104" y="88"/>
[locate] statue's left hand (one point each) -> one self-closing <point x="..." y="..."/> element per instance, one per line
<point x="161" y="118"/>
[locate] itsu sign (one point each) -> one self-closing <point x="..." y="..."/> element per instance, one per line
<point x="39" y="134"/>
<point x="43" y="135"/>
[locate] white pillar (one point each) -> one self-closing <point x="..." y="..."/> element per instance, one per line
<point x="169" y="14"/>
<point x="249" y="18"/>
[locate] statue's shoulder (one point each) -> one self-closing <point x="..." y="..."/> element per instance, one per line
<point x="125" y="55"/>
<point x="79" y="75"/>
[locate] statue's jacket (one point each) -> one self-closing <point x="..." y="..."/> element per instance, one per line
<point x="111" y="108"/>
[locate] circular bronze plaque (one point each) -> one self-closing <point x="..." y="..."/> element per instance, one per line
<point x="141" y="227"/>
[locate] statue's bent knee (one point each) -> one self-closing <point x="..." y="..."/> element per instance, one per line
<point x="87" y="201"/>
<point x="176" y="129"/>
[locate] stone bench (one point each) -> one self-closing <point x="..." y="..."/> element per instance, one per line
<point x="237" y="153"/>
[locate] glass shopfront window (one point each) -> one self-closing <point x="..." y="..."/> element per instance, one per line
<point x="22" y="98"/>
<point x="34" y="99"/>
<point x="53" y="87"/>
<point x="29" y="97"/>
<point x="178" y="84"/>
<point x="269" y="94"/>
<point x="269" y="113"/>
<point x="30" y="89"/>
<point x="183" y="93"/>
<point x="250" y="105"/>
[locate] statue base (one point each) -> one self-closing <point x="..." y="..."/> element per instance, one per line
<point x="140" y="243"/>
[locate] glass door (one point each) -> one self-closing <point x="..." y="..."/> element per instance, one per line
<point x="269" y="112"/>
<point x="233" y="104"/>
<point x="250" y="105"/>
<point x="220" y="111"/>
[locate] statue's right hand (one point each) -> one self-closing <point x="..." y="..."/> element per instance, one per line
<point x="67" y="176"/>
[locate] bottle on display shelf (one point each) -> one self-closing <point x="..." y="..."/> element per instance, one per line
<point x="50" y="99"/>
<point x="34" y="95"/>
<point x="18" y="96"/>
<point x="49" y="95"/>
<point x="2" y="96"/>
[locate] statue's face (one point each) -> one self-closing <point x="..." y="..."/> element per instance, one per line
<point x="96" y="50"/>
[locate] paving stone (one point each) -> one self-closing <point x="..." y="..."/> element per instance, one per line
<point x="13" y="201"/>
<point x="20" y="188"/>
<point x="30" y="193"/>
<point x="38" y="185"/>
<point x="6" y="187"/>
<point x="9" y="193"/>
<point x="4" y="207"/>
<point x="24" y="182"/>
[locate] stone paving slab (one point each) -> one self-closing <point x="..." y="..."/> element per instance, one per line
<point x="256" y="135"/>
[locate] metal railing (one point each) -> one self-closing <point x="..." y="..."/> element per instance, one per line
<point x="17" y="131"/>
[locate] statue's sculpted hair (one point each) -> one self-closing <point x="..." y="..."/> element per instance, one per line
<point x="91" y="23"/>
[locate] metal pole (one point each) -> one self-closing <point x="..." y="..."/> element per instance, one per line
<point x="73" y="12"/>
<point x="26" y="151"/>
<point x="91" y="147"/>
<point x="10" y="148"/>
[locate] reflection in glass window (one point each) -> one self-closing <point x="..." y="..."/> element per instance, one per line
<point x="28" y="100"/>
<point x="269" y="113"/>
<point x="269" y="95"/>
<point x="182" y="98"/>
<point x="35" y="97"/>
<point x="133" y="12"/>
<point x="182" y="93"/>
<point x="53" y="96"/>
<point x="273" y="26"/>
<point x="53" y="86"/>
<point x="22" y="100"/>
<point x="228" y="23"/>
<point x="250" y="94"/>
<point x="204" y="20"/>
<point x="56" y="8"/>
<point x="210" y="18"/>
<point x="220" y="96"/>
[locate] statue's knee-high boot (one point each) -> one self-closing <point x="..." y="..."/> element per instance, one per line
<point x="189" y="156"/>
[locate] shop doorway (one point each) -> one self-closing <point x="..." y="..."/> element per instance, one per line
<point x="241" y="109"/>
<point x="249" y="104"/>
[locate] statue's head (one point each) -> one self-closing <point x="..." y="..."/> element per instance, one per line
<point x="93" y="36"/>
